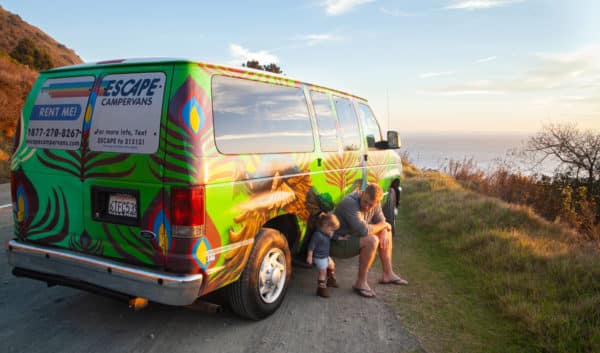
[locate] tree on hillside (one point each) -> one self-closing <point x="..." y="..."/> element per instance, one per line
<point x="254" y="64"/>
<point x="273" y="68"/>
<point x="578" y="151"/>
<point x="26" y="52"/>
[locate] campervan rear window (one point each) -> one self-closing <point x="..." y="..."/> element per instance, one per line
<point x="56" y="118"/>
<point x="256" y="117"/>
<point x="124" y="110"/>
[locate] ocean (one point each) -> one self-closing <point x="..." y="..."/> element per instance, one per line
<point x="435" y="150"/>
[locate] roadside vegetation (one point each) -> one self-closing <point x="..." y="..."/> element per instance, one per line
<point x="487" y="276"/>
<point x="15" y="82"/>
<point x="24" y="50"/>
<point x="570" y="197"/>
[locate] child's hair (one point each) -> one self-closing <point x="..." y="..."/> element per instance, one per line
<point x="328" y="219"/>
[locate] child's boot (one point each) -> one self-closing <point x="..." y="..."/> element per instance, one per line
<point x="322" y="289"/>
<point x="331" y="281"/>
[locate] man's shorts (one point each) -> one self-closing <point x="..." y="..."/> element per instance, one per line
<point x="345" y="248"/>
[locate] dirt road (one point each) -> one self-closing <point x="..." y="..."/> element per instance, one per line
<point x="35" y="318"/>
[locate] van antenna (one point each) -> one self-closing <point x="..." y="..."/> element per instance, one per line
<point x="387" y="95"/>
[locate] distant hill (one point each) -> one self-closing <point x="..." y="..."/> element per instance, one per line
<point x="23" y="50"/>
<point x="14" y="29"/>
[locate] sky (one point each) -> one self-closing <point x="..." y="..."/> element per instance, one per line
<point x="428" y="66"/>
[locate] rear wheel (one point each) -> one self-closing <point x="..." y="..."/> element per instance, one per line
<point x="262" y="286"/>
<point x="389" y="211"/>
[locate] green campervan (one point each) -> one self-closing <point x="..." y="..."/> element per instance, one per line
<point x="170" y="179"/>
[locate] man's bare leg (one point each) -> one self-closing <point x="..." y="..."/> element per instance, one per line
<point x="368" y="248"/>
<point x="385" y="255"/>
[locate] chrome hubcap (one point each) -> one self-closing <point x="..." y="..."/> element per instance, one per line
<point x="272" y="275"/>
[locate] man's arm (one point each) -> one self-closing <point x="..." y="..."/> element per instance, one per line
<point x="349" y="210"/>
<point x="380" y="227"/>
<point x="376" y="228"/>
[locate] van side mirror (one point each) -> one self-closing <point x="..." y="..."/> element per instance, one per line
<point x="393" y="140"/>
<point x="370" y="141"/>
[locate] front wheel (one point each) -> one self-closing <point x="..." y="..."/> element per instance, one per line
<point x="262" y="286"/>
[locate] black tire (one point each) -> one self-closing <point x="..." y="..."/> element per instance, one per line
<point x="390" y="215"/>
<point x="244" y="295"/>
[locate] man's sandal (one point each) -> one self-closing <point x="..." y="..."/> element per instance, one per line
<point x="397" y="281"/>
<point x="364" y="292"/>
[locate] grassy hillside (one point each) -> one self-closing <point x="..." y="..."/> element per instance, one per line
<point x="16" y="78"/>
<point x="14" y="29"/>
<point x="490" y="277"/>
<point x="15" y="82"/>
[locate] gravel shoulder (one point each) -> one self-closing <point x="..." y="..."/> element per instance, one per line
<point x="35" y="318"/>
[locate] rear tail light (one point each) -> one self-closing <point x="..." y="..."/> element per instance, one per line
<point x="187" y="212"/>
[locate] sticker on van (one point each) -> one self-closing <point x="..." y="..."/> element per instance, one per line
<point x="56" y="116"/>
<point x="127" y="113"/>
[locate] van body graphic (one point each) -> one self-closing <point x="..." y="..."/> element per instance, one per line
<point x="170" y="179"/>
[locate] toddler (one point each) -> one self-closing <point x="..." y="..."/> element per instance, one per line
<point x="318" y="252"/>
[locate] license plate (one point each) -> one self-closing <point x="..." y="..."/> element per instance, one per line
<point x="122" y="205"/>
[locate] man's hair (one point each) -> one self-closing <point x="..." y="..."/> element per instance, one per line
<point x="328" y="219"/>
<point x="374" y="192"/>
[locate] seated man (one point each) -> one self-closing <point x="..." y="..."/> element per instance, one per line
<point x="362" y="220"/>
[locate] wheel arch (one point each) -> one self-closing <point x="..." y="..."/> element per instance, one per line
<point x="286" y="224"/>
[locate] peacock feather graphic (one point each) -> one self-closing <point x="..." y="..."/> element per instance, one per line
<point x="85" y="243"/>
<point x="186" y="128"/>
<point x="156" y="219"/>
<point x="52" y="226"/>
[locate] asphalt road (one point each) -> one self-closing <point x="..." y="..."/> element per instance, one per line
<point x="35" y="318"/>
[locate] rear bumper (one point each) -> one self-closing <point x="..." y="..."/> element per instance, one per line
<point x="68" y="267"/>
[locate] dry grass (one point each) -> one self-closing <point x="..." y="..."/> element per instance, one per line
<point x="559" y="199"/>
<point x="15" y="83"/>
<point x="535" y="273"/>
<point x="16" y="79"/>
<point x="13" y="29"/>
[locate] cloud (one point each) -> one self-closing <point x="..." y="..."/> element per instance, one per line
<point x="479" y="4"/>
<point x="241" y="55"/>
<point x="396" y="12"/>
<point x="338" y="7"/>
<point x="581" y="99"/>
<point x="576" y="71"/>
<point x="436" y="74"/>
<point x="476" y="87"/>
<point x="485" y="60"/>
<point x="315" y="39"/>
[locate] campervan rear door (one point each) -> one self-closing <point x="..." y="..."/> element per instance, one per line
<point x="46" y="180"/>
<point x="122" y="169"/>
<point x="89" y="162"/>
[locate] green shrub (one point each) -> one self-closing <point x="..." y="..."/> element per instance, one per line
<point x="26" y="52"/>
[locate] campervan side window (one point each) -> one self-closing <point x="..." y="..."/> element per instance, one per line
<point x="326" y="122"/>
<point x="372" y="131"/>
<point x="348" y="124"/>
<point x="256" y="117"/>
